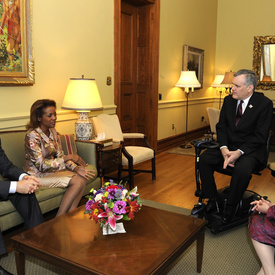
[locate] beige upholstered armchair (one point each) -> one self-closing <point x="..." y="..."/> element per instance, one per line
<point x="131" y="155"/>
<point x="213" y="115"/>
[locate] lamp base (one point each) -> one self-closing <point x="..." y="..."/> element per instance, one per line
<point x="83" y="127"/>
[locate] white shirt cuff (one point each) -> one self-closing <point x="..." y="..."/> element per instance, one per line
<point x="241" y="151"/>
<point x="22" y="175"/>
<point x="13" y="186"/>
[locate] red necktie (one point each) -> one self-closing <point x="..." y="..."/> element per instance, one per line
<point x="239" y="113"/>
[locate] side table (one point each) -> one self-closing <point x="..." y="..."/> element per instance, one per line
<point x="108" y="159"/>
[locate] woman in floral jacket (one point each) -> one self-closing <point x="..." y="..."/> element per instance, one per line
<point x="262" y="233"/>
<point x="45" y="159"/>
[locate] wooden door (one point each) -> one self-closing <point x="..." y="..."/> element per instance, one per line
<point x="136" y="67"/>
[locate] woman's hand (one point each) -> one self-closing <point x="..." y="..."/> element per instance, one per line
<point x="85" y="173"/>
<point x="76" y="159"/>
<point x="261" y="206"/>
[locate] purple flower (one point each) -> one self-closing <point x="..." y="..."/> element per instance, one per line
<point x="119" y="207"/>
<point x="112" y="193"/>
<point x="89" y="205"/>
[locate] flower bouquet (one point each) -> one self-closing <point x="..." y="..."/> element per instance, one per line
<point x="112" y="202"/>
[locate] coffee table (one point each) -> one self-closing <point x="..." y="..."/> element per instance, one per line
<point x="153" y="240"/>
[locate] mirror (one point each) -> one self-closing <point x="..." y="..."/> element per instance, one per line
<point x="264" y="61"/>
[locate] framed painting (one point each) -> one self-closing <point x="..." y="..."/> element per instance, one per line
<point x="192" y="60"/>
<point x="16" y="57"/>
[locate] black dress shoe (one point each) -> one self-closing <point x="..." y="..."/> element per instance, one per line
<point x="212" y="206"/>
<point x="4" y="271"/>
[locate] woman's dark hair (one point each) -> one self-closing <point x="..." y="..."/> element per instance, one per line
<point x="37" y="111"/>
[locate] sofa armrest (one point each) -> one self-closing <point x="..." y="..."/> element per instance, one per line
<point x="87" y="151"/>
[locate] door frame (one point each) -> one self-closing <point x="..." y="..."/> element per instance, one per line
<point x="152" y="123"/>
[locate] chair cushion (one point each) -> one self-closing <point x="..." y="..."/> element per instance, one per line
<point x="138" y="153"/>
<point x="110" y="125"/>
<point x="67" y="143"/>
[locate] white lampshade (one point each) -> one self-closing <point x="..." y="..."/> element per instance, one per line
<point x="217" y="81"/>
<point x="188" y="79"/>
<point x="82" y="95"/>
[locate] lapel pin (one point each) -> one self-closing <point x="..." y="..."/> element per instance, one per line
<point x="250" y="106"/>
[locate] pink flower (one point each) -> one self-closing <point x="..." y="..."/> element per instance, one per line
<point x="111" y="217"/>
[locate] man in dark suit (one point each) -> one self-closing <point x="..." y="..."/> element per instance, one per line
<point x="20" y="191"/>
<point x="242" y="133"/>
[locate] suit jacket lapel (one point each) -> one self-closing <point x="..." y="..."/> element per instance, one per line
<point x="234" y="108"/>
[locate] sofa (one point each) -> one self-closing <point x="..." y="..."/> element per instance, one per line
<point x="49" y="198"/>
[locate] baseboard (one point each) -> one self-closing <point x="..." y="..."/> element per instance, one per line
<point x="173" y="141"/>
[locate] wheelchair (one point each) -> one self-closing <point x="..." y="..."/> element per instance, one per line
<point x="215" y="219"/>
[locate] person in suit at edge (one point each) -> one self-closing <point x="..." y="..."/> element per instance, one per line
<point x="242" y="137"/>
<point x="19" y="189"/>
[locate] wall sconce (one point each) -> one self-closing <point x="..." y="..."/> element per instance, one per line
<point x="82" y="95"/>
<point x="227" y="81"/>
<point x="187" y="80"/>
<point x="219" y="87"/>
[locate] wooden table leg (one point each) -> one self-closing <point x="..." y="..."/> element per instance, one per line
<point x="200" y="245"/>
<point x="20" y="262"/>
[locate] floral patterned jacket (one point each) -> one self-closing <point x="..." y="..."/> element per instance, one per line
<point x="43" y="154"/>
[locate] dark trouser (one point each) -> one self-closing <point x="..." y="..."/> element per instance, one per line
<point x="212" y="160"/>
<point x="28" y="208"/>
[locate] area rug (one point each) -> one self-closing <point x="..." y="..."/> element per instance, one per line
<point x="230" y="252"/>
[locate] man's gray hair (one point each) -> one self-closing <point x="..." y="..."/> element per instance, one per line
<point x="250" y="77"/>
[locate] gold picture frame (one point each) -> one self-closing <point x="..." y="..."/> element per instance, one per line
<point x="16" y="56"/>
<point x="192" y="60"/>
<point x="258" y="57"/>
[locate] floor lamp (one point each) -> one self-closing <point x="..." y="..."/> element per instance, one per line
<point x="217" y="84"/>
<point x="187" y="80"/>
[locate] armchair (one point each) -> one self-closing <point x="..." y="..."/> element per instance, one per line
<point x="131" y="155"/>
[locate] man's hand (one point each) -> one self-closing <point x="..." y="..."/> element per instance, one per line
<point x="230" y="157"/>
<point x="28" y="185"/>
<point x="28" y="177"/>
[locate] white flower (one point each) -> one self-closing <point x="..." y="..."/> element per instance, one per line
<point x="124" y="191"/>
<point x="98" y="197"/>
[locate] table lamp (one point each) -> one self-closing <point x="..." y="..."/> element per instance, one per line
<point x="227" y="81"/>
<point x="82" y="95"/>
<point x="217" y="84"/>
<point x="188" y="79"/>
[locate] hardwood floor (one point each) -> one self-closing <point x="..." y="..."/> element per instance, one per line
<point x="175" y="181"/>
<point x="175" y="184"/>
